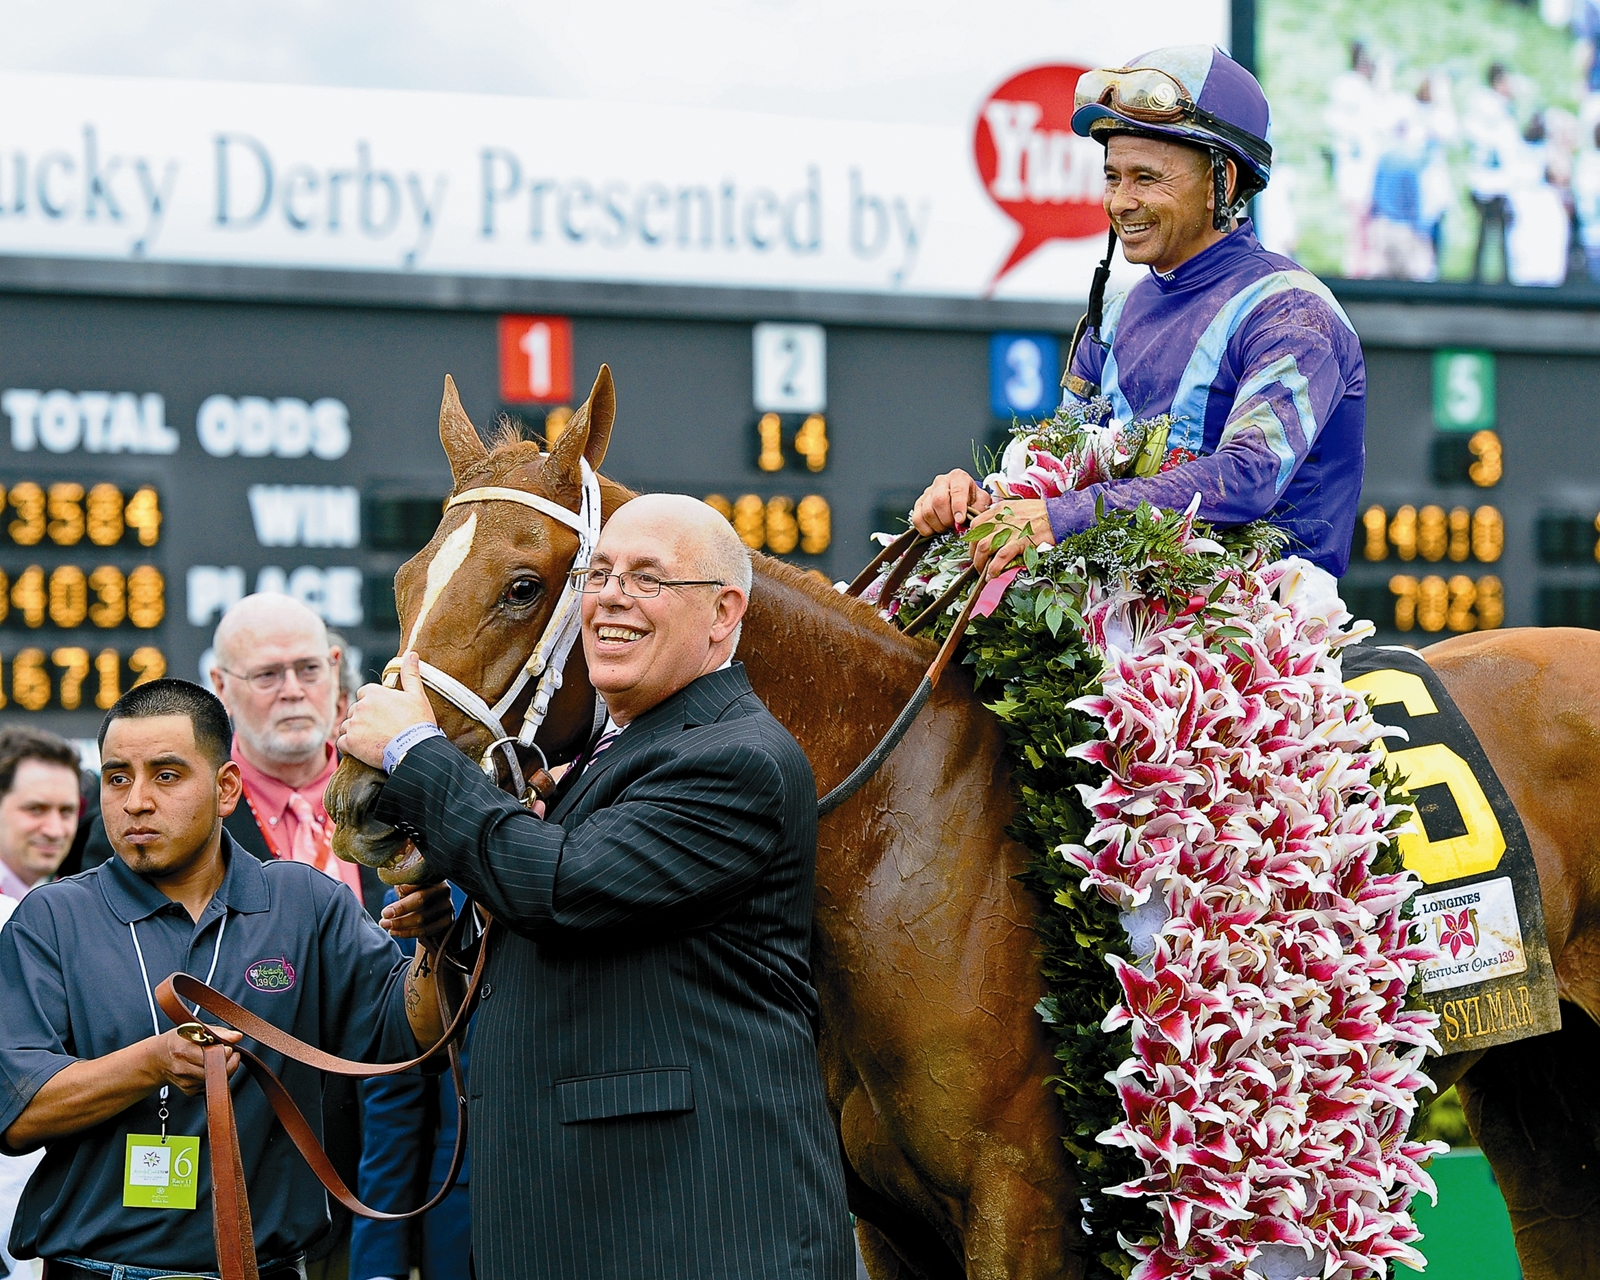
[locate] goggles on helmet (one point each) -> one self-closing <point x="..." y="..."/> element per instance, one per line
<point x="1140" y="92"/>
<point x="1145" y="95"/>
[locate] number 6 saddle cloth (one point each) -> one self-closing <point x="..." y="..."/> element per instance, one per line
<point x="1493" y="981"/>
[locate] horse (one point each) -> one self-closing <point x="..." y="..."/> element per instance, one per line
<point x="936" y="1067"/>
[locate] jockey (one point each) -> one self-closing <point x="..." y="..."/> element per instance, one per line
<point x="1250" y="354"/>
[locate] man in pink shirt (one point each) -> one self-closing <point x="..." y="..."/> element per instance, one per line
<point x="278" y="677"/>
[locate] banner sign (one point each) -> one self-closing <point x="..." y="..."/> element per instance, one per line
<point x="1494" y="981"/>
<point x="1006" y="202"/>
<point x="1043" y="176"/>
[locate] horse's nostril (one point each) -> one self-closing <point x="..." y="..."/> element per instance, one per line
<point x="351" y="795"/>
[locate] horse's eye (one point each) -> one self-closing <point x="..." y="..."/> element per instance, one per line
<point x="523" y="592"/>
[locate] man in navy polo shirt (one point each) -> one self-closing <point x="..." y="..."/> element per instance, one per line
<point x="93" y="1072"/>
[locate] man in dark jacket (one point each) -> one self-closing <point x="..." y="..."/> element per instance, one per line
<point x="645" y="1089"/>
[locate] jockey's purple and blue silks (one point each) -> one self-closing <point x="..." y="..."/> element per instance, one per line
<point x="1264" y="375"/>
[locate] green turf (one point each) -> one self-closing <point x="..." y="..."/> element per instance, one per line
<point x="1468" y="1236"/>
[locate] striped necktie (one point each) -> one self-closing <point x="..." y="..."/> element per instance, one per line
<point x="606" y="739"/>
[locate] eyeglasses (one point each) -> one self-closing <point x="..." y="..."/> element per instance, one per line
<point x="310" y="672"/>
<point x="640" y="586"/>
<point x="1141" y="92"/>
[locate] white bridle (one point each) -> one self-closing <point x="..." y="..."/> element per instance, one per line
<point x="548" y="660"/>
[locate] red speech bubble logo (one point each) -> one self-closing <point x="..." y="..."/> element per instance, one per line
<point x="1043" y="176"/>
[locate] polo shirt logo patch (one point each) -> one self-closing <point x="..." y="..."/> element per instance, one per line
<point x="270" y="975"/>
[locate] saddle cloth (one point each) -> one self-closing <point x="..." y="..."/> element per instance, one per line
<point x="1494" y="981"/>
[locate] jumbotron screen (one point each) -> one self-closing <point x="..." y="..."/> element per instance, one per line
<point x="1434" y="140"/>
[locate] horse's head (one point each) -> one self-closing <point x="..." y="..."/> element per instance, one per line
<point x="476" y="602"/>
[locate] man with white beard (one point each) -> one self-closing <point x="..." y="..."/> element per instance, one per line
<point x="278" y="677"/>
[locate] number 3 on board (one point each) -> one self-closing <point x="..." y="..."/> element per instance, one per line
<point x="1481" y="848"/>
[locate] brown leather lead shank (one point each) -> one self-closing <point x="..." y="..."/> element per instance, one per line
<point x="232" y="1226"/>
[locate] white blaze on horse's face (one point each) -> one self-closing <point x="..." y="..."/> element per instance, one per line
<point x="452" y="555"/>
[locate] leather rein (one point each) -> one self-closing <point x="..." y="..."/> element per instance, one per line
<point x="231" y="1222"/>
<point x="904" y="552"/>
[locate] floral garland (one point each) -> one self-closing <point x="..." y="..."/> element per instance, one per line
<point x="1224" y="944"/>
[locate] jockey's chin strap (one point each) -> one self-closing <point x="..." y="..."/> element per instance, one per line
<point x="548" y="661"/>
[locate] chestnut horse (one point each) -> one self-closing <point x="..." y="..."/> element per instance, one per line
<point x="935" y="1063"/>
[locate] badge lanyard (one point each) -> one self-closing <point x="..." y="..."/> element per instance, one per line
<point x="155" y="1022"/>
<point x="322" y="833"/>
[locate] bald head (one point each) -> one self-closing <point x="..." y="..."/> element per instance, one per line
<point x="282" y="727"/>
<point x="643" y="648"/>
<point x="702" y="538"/>
<point x="264" y="614"/>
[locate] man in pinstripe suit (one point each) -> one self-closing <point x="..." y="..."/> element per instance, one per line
<point x="646" y="1099"/>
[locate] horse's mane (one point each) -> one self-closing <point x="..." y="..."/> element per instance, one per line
<point x="823" y="593"/>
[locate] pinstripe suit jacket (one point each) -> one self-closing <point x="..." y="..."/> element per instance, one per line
<point x="646" y="1099"/>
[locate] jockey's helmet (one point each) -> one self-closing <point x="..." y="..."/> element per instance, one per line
<point x="1192" y="94"/>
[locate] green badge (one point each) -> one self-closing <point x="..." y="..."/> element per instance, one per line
<point x="161" y="1173"/>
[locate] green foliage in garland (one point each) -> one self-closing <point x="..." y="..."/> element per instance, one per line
<point x="1038" y="675"/>
<point x="1432" y="1121"/>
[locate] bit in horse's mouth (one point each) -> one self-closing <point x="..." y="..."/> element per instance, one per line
<point x="384" y="849"/>
<point x="406" y="867"/>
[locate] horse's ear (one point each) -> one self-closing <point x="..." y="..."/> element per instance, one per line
<point x="588" y="432"/>
<point x="462" y="444"/>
